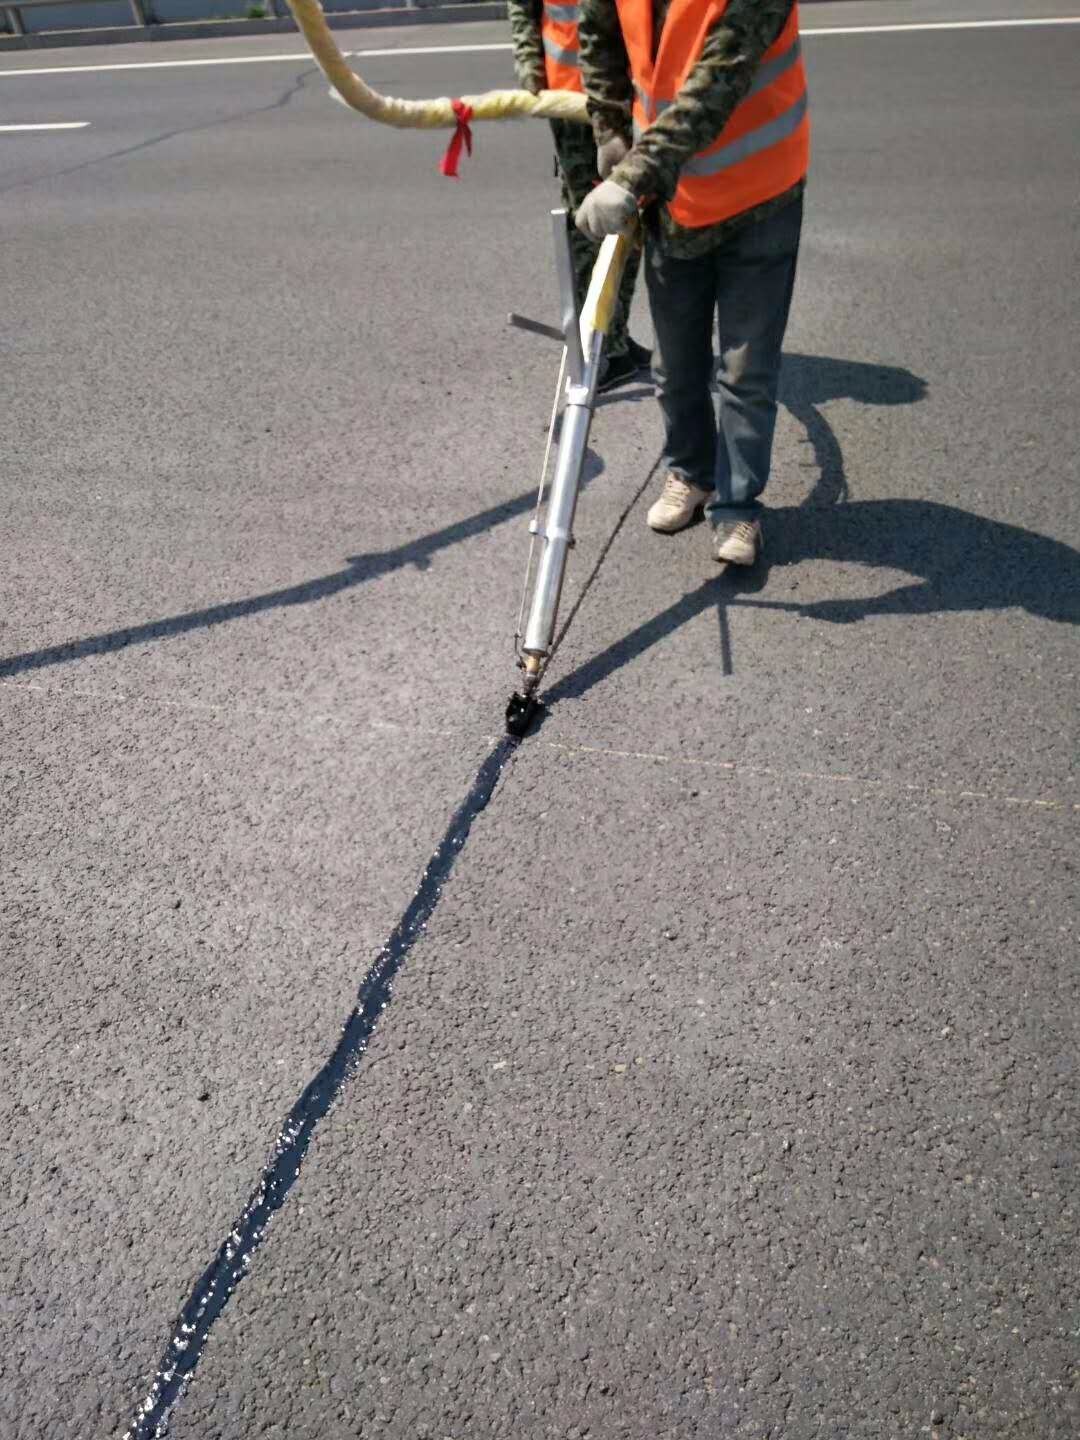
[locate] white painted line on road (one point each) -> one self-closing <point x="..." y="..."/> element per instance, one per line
<point x="53" y="125"/>
<point x="302" y="55"/>
<point x="1017" y="24"/>
<point x="406" y="50"/>
<point x="155" y="65"/>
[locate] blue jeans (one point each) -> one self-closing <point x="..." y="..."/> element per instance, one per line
<point x="747" y="282"/>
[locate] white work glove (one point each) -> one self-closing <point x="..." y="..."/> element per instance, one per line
<point x="611" y="153"/>
<point x="607" y="210"/>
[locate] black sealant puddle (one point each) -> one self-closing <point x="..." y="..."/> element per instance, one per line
<point x="230" y="1265"/>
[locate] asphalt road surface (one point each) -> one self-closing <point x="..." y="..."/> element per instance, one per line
<point x="730" y="1088"/>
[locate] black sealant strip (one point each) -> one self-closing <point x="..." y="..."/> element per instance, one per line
<point x="230" y="1265"/>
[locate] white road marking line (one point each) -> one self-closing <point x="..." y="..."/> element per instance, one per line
<point x="1010" y="24"/>
<point x="54" y="125"/>
<point x="407" y="50"/>
<point x="299" y="56"/>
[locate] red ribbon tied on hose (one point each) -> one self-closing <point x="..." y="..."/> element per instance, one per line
<point x="461" y="136"/>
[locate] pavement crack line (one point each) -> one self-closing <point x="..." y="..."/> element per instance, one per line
<point x="215" y="1287"/>
<point x="280" y="103"/>
<point x="219" y="1280"/>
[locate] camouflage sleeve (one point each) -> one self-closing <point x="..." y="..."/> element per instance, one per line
<point x="528" y="46"/>
<point x="605" y="69"/>
<point x="720" y="79"/>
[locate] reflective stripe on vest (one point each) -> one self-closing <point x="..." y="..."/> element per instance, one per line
<point x="564" y="57"/>
<point x="772" y="69"/>
<point x="559" y="32"/>
<point x="765" y="76"/>
<point x="762" y="151"/>
<point x="752" y="143"/>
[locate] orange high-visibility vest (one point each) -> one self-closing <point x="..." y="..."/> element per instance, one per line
<point x="763" y="150"/>
<point x="559" y="32"/>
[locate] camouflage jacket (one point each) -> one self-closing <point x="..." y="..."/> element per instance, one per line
<point x="717" y="83"/>
<point x="525" y="17"/>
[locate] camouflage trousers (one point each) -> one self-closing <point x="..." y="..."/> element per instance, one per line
<point x="575" y="151"/>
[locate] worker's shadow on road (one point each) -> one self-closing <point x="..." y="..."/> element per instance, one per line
<point x="959" y="561"/>
<point x="808" y="382"/>
<point x="358" y="570"/>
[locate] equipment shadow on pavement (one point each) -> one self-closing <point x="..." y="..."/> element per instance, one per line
<point x="358" y="570"/>
<point x="806" y="383"/>
<point x="963" y="561"/>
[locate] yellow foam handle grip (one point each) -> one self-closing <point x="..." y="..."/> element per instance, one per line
<point x="603" y="292"/>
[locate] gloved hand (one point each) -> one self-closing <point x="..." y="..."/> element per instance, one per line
<point x="610" y="154"/>
<point x="607" y="210"/>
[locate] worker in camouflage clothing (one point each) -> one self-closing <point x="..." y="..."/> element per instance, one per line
<point x="544" y="35"/>
<point x="699" y="109"/>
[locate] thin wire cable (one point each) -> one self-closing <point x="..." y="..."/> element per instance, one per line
<point x="604" y="549"/>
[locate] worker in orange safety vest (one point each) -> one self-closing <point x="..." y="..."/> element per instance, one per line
<point x="699" y="109"/>
<point x="545" y="40"/>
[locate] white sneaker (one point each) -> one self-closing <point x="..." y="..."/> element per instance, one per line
<point x="678" y="504"/>
<point x="738" y="542"/>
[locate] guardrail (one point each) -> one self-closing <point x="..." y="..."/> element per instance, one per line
<point x="170" y="19"/>
<point x="14" y="16"/>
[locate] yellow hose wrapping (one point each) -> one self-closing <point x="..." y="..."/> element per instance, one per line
<point x="599" y="306"/>
<point x="423" y="114"/>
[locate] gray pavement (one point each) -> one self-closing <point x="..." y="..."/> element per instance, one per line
<point x="731" y="1088"/>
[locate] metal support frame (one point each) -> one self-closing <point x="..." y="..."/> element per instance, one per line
<point x="569" y="317"/>
<point x="534" y="327"/>
<point x="555" y="532"/>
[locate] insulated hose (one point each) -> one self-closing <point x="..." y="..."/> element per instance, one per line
<point x="442" y="113"/>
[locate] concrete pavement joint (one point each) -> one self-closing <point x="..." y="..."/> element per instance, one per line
<point x="734" y="767"/>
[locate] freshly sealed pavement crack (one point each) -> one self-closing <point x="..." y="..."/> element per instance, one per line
<point x="217" y="1283"/>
